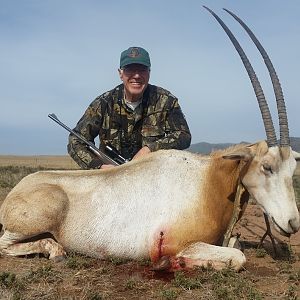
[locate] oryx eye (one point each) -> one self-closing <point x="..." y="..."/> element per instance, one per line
<point x="267" y="168"/>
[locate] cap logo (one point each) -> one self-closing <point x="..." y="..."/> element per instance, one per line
<point x="134" y="52"/>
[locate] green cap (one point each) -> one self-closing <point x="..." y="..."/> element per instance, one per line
<point x="135" y="55"/>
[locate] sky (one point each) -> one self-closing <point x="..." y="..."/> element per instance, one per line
<point x="58" y="56"/>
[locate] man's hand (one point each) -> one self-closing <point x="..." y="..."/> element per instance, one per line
<point x="142" y="152"/>
<point x="107" y="166"/>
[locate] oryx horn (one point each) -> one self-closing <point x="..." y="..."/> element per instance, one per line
<point x="282" y="115"/>
<point x="263" y="105"/>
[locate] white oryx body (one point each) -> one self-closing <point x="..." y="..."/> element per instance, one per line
<point x="128" y="208"/>
<point x="171" y="203"/>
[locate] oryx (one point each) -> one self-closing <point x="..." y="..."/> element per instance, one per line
<point x="172" y="206"/>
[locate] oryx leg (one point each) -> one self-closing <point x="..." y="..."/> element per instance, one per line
<point x="28" y="214"/>
<point x="202" y="255"/>
<point x="11" y="245"/>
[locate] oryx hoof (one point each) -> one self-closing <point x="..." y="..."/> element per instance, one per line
<point x="58" y="258"/>
<point x="234" y="242"/>
<point x="162" y="264"/>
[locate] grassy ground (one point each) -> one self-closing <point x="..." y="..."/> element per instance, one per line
<point x="296" y="182"/>
<point x="41" y="161"/>
<point x="86" y="278"/>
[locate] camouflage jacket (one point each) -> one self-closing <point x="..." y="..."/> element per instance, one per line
<point x="157" y="123"/>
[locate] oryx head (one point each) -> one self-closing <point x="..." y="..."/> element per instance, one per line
<point x="270" y="165"/>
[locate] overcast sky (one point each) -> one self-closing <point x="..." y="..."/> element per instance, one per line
<point x="57" y="56"/>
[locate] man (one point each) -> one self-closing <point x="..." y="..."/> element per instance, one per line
<point x="135" y="117"/>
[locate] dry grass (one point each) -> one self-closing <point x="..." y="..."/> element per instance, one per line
<point x="296" y="182"/>
<point x="96" y="279"/>
<point x="45" y="161"/>
<point x="297" y="172"/>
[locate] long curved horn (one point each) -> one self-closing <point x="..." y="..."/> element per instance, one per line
<point x="282" y="115"/>
<point x="263" y="105"/>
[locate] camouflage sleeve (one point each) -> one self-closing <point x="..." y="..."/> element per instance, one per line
<point x="177" y="133"/>
<point x="88" y="126"/>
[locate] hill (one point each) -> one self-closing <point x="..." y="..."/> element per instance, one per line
<point x="206" y="148"/>
<point x="295" y="143"/>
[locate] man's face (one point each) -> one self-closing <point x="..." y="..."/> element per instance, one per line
<point x="135" y="78"/>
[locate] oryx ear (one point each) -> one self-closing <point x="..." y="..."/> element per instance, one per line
<point x="240" y="154"/>
<point x="296" y="155"/>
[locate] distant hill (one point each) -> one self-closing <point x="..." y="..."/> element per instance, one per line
<point x="295" y="143"/>
<point x="206" y="148"/>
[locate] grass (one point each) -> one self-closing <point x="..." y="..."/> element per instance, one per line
<point x="94" y="296"/>
<point x="118" y="260"/>
<point x="51" y="162"/>
<point x="225" y="284"/>
<point x="85" y="278"/>
<point x="187" y="282"/>
<point x="9" y="281"/>
<point x="169" y="294"/>
<point x="295" y="276"/>
<point x="210" y="284"/>
<point x="296" y="184"/>
<point x="291" y="293"/>
<point x="45" y="272"/>
<point x="77" y="261"/>
<point x="260" y="252"/>
<point x="11" y="175"/>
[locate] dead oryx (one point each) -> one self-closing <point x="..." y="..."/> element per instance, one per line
<point x="172" y="206"/>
